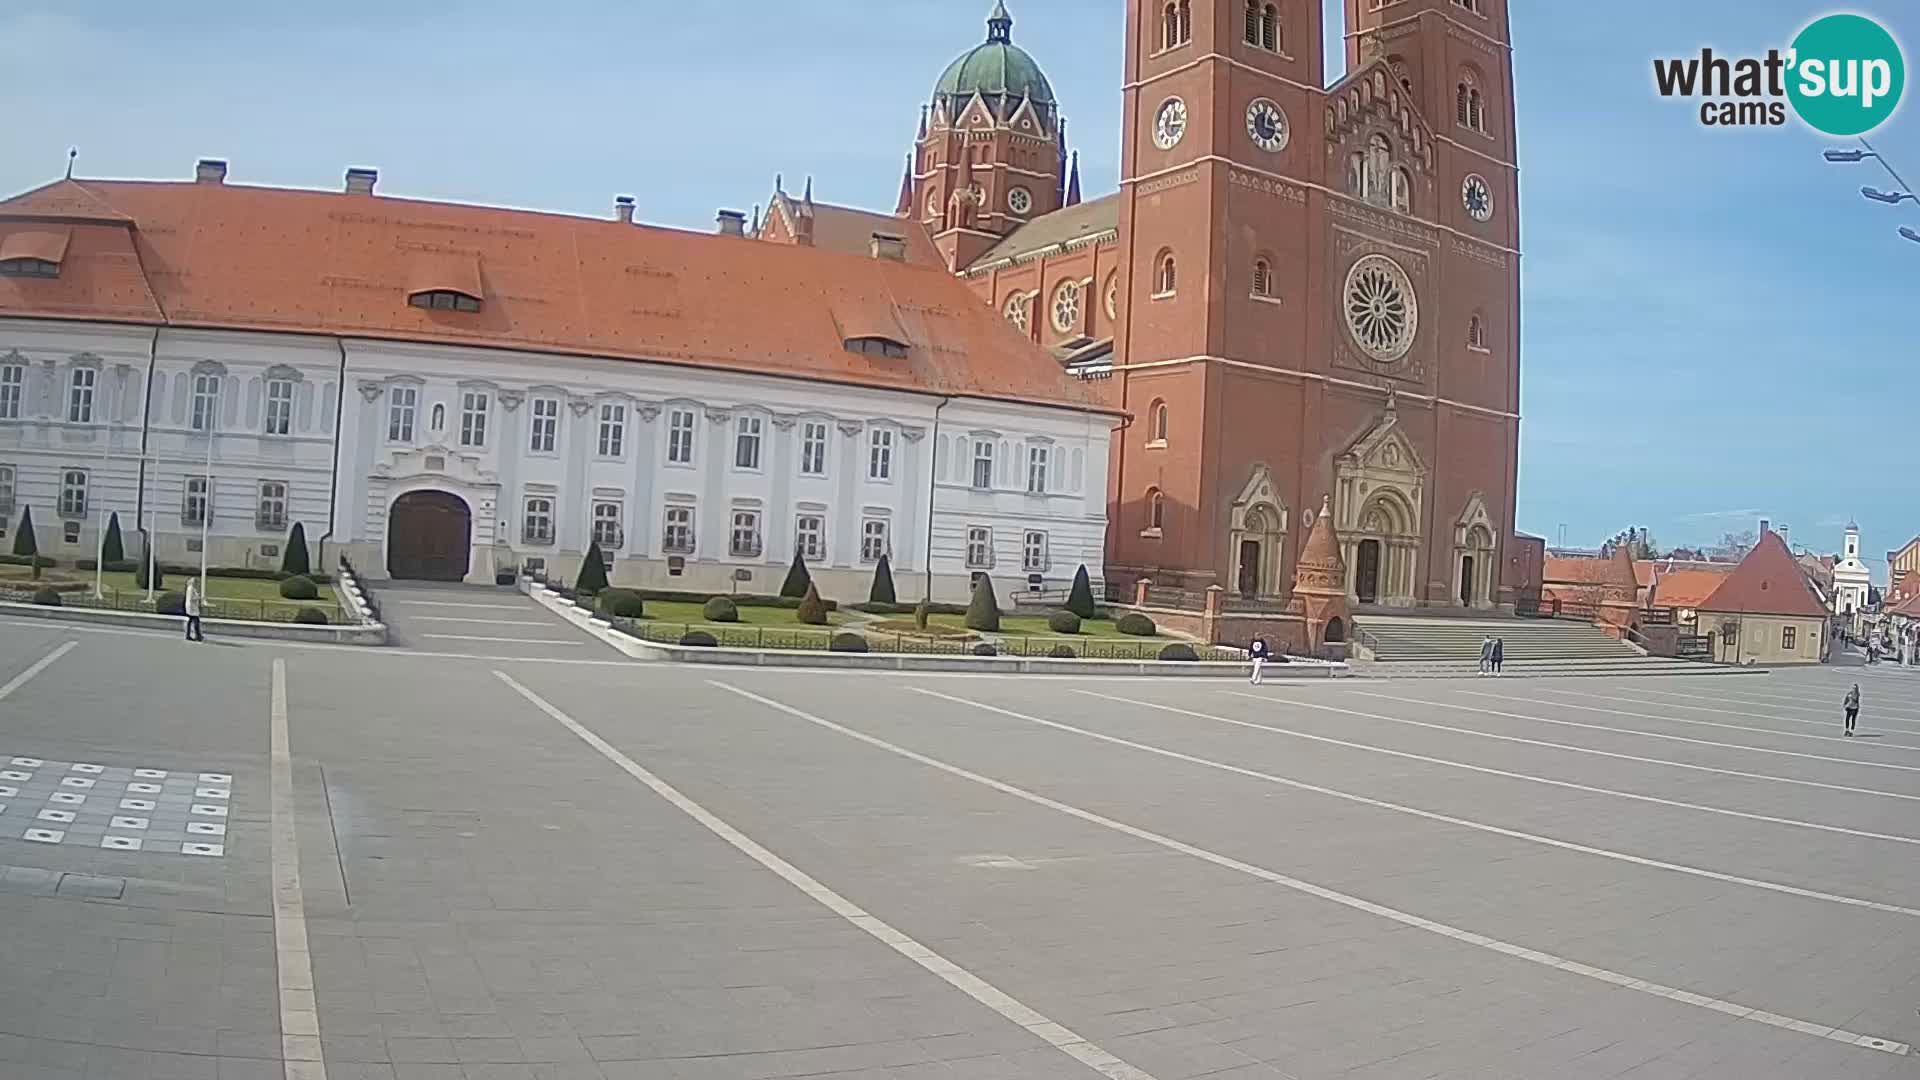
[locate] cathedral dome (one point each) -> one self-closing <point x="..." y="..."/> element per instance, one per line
<point x="998" y="70"/>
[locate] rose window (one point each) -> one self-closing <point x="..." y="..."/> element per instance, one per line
<point x="1066" y="307"/>
<point x="1016" y="310"/>
<point x="1380" y="308"/>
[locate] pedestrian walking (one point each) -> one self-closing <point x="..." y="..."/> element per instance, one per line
<point x="1499" y="653"/>
<point x="1259" y="651"/>
<point x="193" y="611"/>
<point x="1853" y="707"/>
<point x="1486" y="654"/>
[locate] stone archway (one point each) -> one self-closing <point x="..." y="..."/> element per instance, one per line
<point x="429" y="537"/>
<point x="1474" y="556"/>
<point x="1257" y="535"/>
<point x="1377" y="492"/>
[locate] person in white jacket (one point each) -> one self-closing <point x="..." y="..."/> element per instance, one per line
<point x="193" y="611"/>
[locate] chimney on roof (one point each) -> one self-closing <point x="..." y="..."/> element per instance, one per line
<point x="361" y="181"/>
<point x="732" y="223"/>
<point x="210" y="170"/>
<point x="889" y="247"/>
<point x="623" y="209"/>
<point x="1764" y="526"/>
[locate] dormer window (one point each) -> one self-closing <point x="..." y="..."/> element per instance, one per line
<point x="29" y="268"/>
<point x="444" y="300"/>
<point x="878" y="346"/>
<point x="33" y="253"/>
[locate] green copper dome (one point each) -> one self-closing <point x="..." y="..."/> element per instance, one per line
<point x="998" y="69"/>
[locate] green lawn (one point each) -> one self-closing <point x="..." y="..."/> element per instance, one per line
<point x="681" y="611"/>
<point x="241" y="591"/>
<point x="1036" y="626"/>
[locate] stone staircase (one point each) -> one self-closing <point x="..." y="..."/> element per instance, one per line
<point x="1449" y="646"/>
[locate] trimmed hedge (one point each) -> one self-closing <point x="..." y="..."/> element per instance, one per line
<point x="907" y="609"/>
<point x="1062" y="652"/>
<point x="739" y="599"/>
<point x="985" y="648"/>
<point x="299" y="588"/>
<point x="40" y="561"/>
<point x="1063" y="622"/>
<point x="119" y="566"/>
<point x="1179" y="650"/>
<point x="699" y="639"/>
<point x="310" y="616"/>
<point x="1135" y="624"/>
<point x="171" y="603"/>
<point x="983" y="611"/>
<point x="1080" y="597"/>
<point x="882" y="590"/>
<point x="720" y="610"/>
<point x="813" y="610"/>
<point x="848" y="643"/>
<point x="47" y="598"/>
<point x="622" y="604"/>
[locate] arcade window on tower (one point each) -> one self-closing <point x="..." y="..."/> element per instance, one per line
<point x="1165" y="275"/>
<point x="1262" y="278"/>
<point x="1474" y="6"/>
<point x="1263" y="26"/>
<point x="1176" y="24"/>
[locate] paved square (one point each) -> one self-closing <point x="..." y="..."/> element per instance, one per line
<point x="157" y="811"/>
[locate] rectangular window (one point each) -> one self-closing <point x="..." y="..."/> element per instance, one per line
<point x="677" y="537"/>
<point x="206" y="401"/>
<point x="746" y="443"/>
<point x="80" y="396"/>
<point x="1039" y="459"/>
<point x="402" y="403"/>
<point x="983" y="464"/>
<point x="473" y="418"/>
<point x="271" y="511"/>
<point x="813" y="449"/>
<point x="680" y="437"/>
<point x="73" y="493"/>
<point x="193" y="507"/>
<point x="12" y="382"/>
<point x="279" y="406"/>
<point x="613" y="430"/>
<point x="1033" y="552"/>
<point x="537" y="527"/>
<point x="607" y="532"/>
<point x="873" y="540"/>
<point x="745" y="539"/>
<point x="979" y="548"/>
<point x="810" y="537"/>
<point x="880" y="455"/>
<point x="1788" y="636"/>
<point x="6" y="490"/>
<point x="546" y="425"/>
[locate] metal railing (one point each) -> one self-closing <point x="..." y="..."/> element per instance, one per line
<point x="212" y="607"/>
<point x="809" y="640"/>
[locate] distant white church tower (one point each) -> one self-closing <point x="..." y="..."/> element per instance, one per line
<point x="1851" y="577"/>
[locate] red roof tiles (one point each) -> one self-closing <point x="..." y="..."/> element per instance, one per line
<point x="1769" y="581"/>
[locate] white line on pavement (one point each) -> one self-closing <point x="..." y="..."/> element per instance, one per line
<point x="1687" y="765"/>
<point x="953" y="974"/>
<point x="299" y="1015"/>
<point x="1631" y="731"/>
<point x="1828" y="725"/>
<point x="1353" y="902"/>
<point x="505" y="640"/>
<point x="36" y="668"/>
<point x="1666" y="719"/>
<point x="443" y="603"/>
<point x="1776" y="702"/>
<point x="314" y="646"/>
<point x="481" y="622"/>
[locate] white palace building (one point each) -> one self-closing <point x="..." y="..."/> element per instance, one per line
<point x="443" y="390"/>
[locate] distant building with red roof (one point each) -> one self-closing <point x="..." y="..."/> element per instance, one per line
<point x="1766" y="611"/>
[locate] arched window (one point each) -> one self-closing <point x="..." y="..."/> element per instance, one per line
<point x="1016" y="310"/>
<point x="1262" y="277"/>
<point x="1165" y="276"/>
<point x="1357" y="175"/>
<point x="1402" y="191"/>
<point x="1156" y="510"/>
<point x="1186" y="21"/>
<point x="1157" y="422"/>
<point x="1476" y="112"/>
<point x="1253" y="22"/>
<point x="1376" y="180"/>
<point x="1176" y="23"/>
<point x="1461" y="114"/>
<point x="439" y="417"/>
<point x="1270" y="28"/>
<point x="1476" y="332"/>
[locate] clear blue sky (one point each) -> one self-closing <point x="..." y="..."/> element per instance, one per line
<point x="1716" y="326"/>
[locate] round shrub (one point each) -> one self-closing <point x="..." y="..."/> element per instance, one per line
<point x="699" y="639"/>
<point x="171" y="603"/>
<point x="622" y="604"/>
<point x="985" y="648"/>
<point x="1063" y="652"/>
<point x="1063" y="622"/>
<point x="853" y="643"/>
<point x="46" y="597"/>
<point x="1135" y="624"/>
<point x="299" y="587"/>
<point x="311" y="616"/>
<point x="1179" y="650"/>
<point x="720" y="609"/>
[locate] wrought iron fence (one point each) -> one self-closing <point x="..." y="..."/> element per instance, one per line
<point x="212" y="607"/>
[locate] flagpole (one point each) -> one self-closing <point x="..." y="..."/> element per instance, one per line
<point x="100" y="518"/>
<point x="206" y="511"/>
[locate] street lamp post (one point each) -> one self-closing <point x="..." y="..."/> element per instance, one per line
<point x="206" y="510"/>
<point x="1900" y="194"/>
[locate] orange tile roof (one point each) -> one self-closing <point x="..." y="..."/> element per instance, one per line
<point x="1687" y="588"/>
<point x="850" y="230"/>
<point x="1769" y="581"/>
<point x="1565" y="571"/>
<point x="227" y="256"/>
<point x="47" y="245"/>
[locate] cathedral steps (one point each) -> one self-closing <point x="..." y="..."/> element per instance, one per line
<point x="1399" y="639"/>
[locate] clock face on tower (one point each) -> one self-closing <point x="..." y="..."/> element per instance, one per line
<point x="1170" y="123"/>
<point x="1477" y="197"/>
<point x="1267" y="125"/>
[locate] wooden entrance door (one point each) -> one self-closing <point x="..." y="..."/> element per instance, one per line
<point x="1366" y="572"/>
<point x="1466" y="580"/>
<point x="1249" y="568"/>
<point x="429" y="537"/>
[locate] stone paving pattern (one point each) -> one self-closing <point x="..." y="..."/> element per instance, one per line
<point x="489" y="898"/>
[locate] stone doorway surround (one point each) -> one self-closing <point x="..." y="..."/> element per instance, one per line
<point x="1377" y="494"/>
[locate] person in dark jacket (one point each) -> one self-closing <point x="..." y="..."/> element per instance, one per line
<point x="1499" y="653"/>
<point x="1260" y="653"/>
<point x="1852" y="705"/>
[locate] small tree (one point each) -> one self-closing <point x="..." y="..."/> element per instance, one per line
<point x="813" y="610"/>
<point x="593" y="572"/>
<point x="983" y="611"/>
<point x="920" y="612"/>
<point x="140" y="571"/>
<point x="25" y="544"/>
<point x="113" y="549"/>
<point x="798" y="580"/>
<point x="882" y="592"/>
<point x="1080" y="599"/>
<point x="294" y="562"/>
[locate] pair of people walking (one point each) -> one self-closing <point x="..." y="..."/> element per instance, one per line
<point x="1493" y="653"/>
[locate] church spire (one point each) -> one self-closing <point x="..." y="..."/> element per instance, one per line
<point x="905" y="206"/>
<point x="1000" y="25"/>
<point x="1073" y="182"/>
